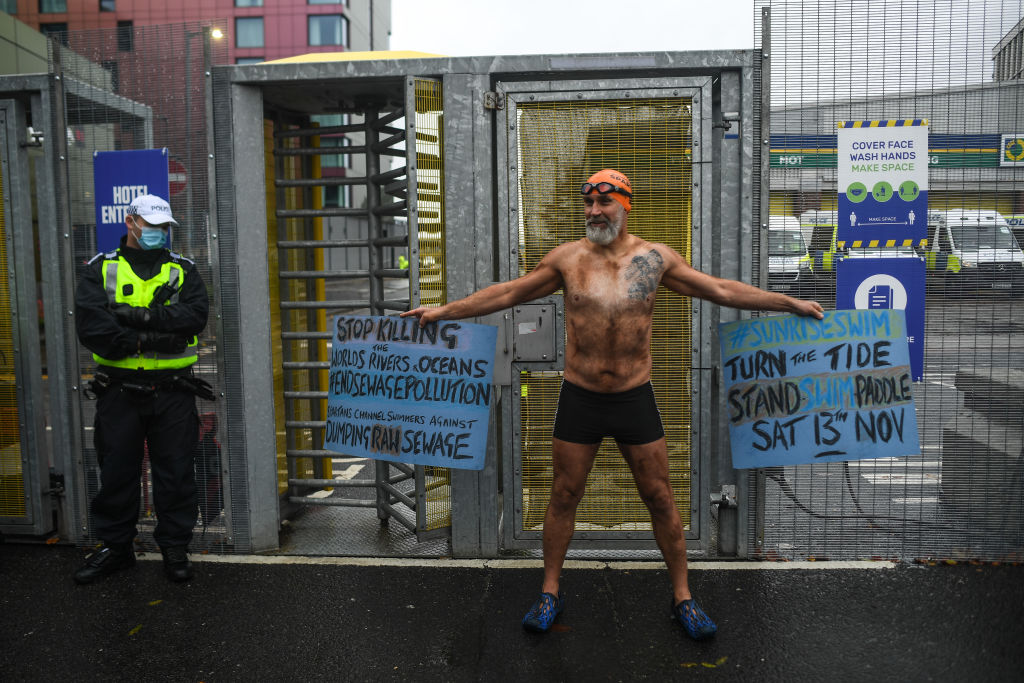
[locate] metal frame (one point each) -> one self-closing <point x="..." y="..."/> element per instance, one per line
<point x="21" y="278"/>
<point x="382" y="139"/>
<point x="213" y="246"/>
<point x="62" y="448"/>
<point x="734" y="140"/>
<point x="250" y="424"/>
<point x="757" y="501"/>
<point x="698" y="89"/>
<point x="470" y="231"/>
<point x="476" y="237"/>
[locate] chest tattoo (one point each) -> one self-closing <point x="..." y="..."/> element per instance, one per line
<point x="642" y="275"/>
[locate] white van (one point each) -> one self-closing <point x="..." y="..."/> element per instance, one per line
<point x="788" y="265"/>
<point x="971" y="249"/>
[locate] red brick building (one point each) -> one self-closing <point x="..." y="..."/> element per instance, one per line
<point x="254" y="30"/>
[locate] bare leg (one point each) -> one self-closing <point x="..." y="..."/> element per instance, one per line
<point x="649" y="464"/>
<point x="571" y="464"/>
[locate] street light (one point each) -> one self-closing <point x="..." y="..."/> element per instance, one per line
<point x="206" y="32"/>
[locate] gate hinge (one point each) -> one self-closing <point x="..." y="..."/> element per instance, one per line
<point x="727" y="118"/>
<point x="726" y="497"/>
<point x="494" y="100"/>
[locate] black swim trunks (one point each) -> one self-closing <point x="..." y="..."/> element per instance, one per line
<point x="630" y="417"/>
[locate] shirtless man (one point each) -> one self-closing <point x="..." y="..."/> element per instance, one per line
<point x="609" y="279"/>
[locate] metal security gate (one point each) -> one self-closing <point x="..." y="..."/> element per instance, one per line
<point x="557" y="134"/>
<point x="23" y="463"/>
<point x="344" y="216"/>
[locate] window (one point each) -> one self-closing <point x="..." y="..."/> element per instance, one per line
<point x="249" y="32"/>
<point x="9" y="6"/>
<point x="108" y="6"/>
<point x="338" y="195"/>
<point x="335" y="160"/>
<point x="53" y="7"/>
<point x="125" y="36"/>
<point x="248" y="3"/>
<point x="327" y="2"/>
<point x="328" y="29"/>
<point x="115" y="74"/>
<point x="248" y="60"/>
<point x="56" y="30"/>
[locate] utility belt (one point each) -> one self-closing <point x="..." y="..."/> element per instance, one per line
<point x="189" y="384"/>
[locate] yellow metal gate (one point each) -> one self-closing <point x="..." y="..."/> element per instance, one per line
<point x="12" y="480"/>
<point x="555" y="141"/>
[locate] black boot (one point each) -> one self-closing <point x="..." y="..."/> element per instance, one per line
<point x="177" y="566"/>
<point x="106" y="560"/>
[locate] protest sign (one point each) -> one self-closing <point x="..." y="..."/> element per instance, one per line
<point x="801" y="390"/>
<point x="418" y="395"/>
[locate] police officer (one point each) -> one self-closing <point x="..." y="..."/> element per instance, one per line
<point x="139" y="309"/>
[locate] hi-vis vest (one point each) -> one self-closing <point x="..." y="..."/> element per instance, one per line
<point x="117" y="273"/>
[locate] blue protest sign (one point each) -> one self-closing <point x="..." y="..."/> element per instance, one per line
<point x="882" y="169"/>
<point x="877" y="283"/>
<point x="118" y="178"/>
<point x="417" y="395"/>
<point x="801" y="390"/>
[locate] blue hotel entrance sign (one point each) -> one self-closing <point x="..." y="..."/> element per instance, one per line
<point x="118" y="178"/>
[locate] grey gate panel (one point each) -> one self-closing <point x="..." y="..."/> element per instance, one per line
<point x="556" y="134"/>
<point x="23" y="461"/>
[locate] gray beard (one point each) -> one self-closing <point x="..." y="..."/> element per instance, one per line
<point x="605" y="235"/>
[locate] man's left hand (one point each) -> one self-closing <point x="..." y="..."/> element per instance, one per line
<point x="811" y="308"/>
<point x="133" y="316"/>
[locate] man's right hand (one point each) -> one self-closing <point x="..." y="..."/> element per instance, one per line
<point x="164" y="342"/>
<point x="425" y="314"/>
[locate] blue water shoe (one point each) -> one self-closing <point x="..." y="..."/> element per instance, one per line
<point x="543" y="613"/>
<point x="697" y="624"/>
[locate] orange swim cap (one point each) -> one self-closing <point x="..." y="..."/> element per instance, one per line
<point x="622" y="192"/>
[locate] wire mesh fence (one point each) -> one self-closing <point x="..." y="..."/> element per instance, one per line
<point x="956" y="66"/>
<point x="146" y="88"/>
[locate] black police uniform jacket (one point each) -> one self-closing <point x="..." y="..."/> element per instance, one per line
<point x="98" y="328"/>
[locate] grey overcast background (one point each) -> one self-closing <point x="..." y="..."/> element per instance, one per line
<point x="460" y="28"/>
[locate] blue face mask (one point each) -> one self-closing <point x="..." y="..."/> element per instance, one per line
<point x="151" y="238"/>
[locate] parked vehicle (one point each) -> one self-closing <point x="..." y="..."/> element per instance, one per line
<point x="819" y="229"/>
<point x="1016" y="223"/>
<point x="973" y="249"/>
<point x="789" y="267"/>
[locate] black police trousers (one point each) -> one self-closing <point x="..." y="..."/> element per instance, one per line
<point x="126" y="421"/>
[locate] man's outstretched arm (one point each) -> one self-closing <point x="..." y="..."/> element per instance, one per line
<point x="683" y="278"/>
<point x="541" y="281"/>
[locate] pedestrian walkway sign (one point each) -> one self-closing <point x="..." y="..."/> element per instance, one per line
<point x="882" y="183"/>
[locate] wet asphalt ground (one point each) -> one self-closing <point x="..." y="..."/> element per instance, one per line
<point x="288" y="618"/>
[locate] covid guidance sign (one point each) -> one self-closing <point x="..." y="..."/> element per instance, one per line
<point x="801" y="390"/>
<point x="882" y="171"/>
<point x="411" y="394"/>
